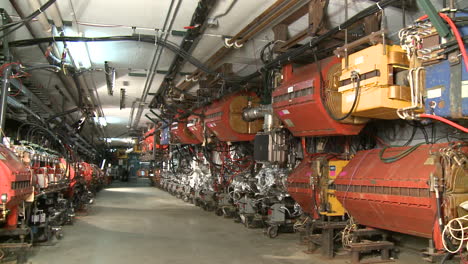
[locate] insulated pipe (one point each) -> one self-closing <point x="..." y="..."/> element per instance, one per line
<point x="15" y="104"/>
<point x="254" y="113"/>
<point x="154" y="65"/>
<point x="54" y="13"/>
<point x="41" y="17"/>
<point x="88" y="149"/>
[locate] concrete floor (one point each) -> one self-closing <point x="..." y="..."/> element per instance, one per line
<point x="133" y="223"/>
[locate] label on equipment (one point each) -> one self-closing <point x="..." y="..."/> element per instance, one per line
<point x="434" y="93"/>
<point x="464" y="89"/>
<point x="289" y="123"/>
<point x="332" y="170"/>
<point x="283" y="112"/>
<point x="290" y="89"/>
<point x="359" y="60"/>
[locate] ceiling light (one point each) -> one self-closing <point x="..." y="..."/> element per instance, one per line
<point x="101" y="121"/>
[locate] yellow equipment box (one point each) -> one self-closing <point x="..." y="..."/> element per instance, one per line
<point x="334" y="207"/>
<point x="374" y="70"/>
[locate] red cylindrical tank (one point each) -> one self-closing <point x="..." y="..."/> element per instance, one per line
<point x="302" y="189"/>
<point x="15" y="184"/>
<point x="224" y="118"/>
<point x="86" y="171"/>
<point x="298" y="104"/>
<point x="148" y="141"/>
<point x="395" y="196"/>
<point x="181" y="134"/>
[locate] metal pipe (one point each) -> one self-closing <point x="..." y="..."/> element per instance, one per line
<point x="158" y="116"/>
<point x="152" y="73"/>
<point x="151" y="119"/>
<point x="65" y="90"/>
<point x="41" y="17"/>
<point x="254" y="113"/>
<point x="3" y="100"/>
<point x="13" y="103"/>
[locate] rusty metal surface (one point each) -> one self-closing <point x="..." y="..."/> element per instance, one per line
<point x="224" y="118"/>
<point x="392" y="196"/>
<point x="300" y="188"/>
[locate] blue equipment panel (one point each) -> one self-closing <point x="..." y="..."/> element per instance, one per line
<point x="165" y="135"/>
<point x="447" y="90"/>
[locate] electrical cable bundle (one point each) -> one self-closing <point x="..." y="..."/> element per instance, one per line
<point x="397" y="156"/>
<point x="456" y="230"/>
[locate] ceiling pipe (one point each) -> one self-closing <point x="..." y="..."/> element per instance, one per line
<point x="3" y="99"/>
<point x="190" y="40"/>
<point x="54" y="13"/>
<point x="42" y="18"/>
<point x="200" y="17"/>
<point x="62" y="77"/>
<point x="155" y="63"/>
<point x="275" y="10"/>
<point x="89" y="150"/>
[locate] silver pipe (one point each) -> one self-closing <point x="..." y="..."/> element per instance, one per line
<point x="152" y="73"/>
<point x="15" y="104"/>
<point x="4" y="96"/>
<point x="254" y="113"/>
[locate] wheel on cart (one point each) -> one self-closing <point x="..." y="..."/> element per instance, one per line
<point x="272" y="231"/>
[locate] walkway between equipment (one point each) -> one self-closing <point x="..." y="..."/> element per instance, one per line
<point x="130" y="223"/>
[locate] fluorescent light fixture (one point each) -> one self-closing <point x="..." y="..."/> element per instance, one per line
<point x="80" y="54"/>
<point x="78" y="51"/>
<point x="122" y="140"/>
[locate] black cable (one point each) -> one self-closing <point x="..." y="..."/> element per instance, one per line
<point x="398" y="156"/>
<point x="280" y="60"/>
<point x="415" y="129"/>
<point x="322" y="95"/>
<point x="27" y="19"/>
<point x="446" y="257"/>
<point x="426" y="136"/>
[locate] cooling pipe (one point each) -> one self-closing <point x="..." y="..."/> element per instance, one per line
<point x="254" y="113"/>
<point x="42" y="18"/>
<point x="262" y="111"/>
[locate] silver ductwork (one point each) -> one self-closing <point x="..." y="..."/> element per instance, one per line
<point x="262" y="111"/>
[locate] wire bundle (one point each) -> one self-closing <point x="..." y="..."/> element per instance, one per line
<point x="13" y="26"/>
<point x="457" y="231"/>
